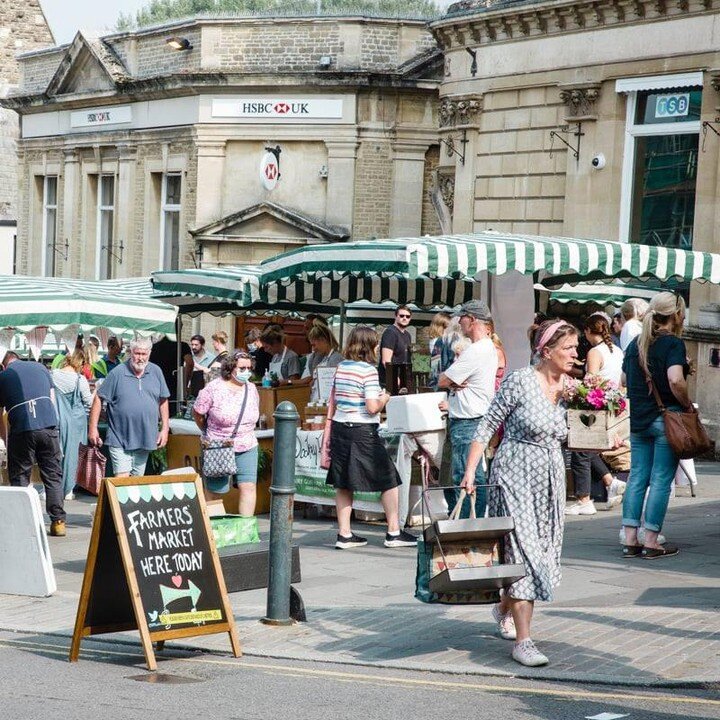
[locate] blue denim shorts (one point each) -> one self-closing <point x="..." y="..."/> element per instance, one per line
<point x="246" y="464"/>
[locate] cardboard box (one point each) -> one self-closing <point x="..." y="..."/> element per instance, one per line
<point x="415" y="413"/>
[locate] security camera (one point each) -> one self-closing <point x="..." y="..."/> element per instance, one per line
<point x="598" y="162"/>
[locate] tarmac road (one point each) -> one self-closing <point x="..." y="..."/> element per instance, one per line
<point x="110" y="681"/>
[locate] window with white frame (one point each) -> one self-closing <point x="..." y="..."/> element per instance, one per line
<point x="660" y="162"/>
<point x="105" y="225"/>
<point x="49" y="223"/>
<point x="170" y="221"/>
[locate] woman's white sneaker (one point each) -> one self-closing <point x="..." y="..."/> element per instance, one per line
<point x="527" y="654"/>
<point x="505" y="623"/>
<point x="578" y="508"/>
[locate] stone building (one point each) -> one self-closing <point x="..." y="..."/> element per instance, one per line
<point x="588" y="119"/>
<point x="23" y="27"/>
<point x="221" y="141"/>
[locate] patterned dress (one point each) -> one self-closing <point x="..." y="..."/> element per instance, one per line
<point x="529" y="468"/>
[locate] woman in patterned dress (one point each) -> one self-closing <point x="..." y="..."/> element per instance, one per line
<point x="529" y="468"/>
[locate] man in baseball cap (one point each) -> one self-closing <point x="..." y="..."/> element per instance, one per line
<point x="470" y="381"/>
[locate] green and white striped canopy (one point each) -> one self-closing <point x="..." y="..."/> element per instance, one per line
<point x="614" y="294"/>
<point x="459" y="257"/>
<point x="217" y="289"/>
<point x="120" y="306"/>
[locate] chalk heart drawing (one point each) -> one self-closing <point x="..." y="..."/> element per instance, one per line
<point x="176" y="580"/>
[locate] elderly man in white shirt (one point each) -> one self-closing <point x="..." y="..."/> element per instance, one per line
<point x="632" y="312"/>
<point x="471" y="384"/>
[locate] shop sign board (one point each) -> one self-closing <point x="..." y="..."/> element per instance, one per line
<point x="94" y="117"/>
<point x="269" y="171"/>
<point x="281" y="108"/>
<point x="152" y="565"/>
<point x="672" y="105"/>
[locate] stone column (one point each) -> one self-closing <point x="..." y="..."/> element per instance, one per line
<point x="132" y="254"/>
<point x="407" y="188"/>
<point x="340" y="183"/>
<point x="70" y="230"/>
<point x="210" y="177"/>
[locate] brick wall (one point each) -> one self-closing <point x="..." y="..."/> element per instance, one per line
<point x="152" y="56"/>
<point x="373" y="190"/>
<point x="519" y="187"/>
<point x="22" y="28"/>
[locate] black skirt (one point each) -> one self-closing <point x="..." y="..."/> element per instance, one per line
<point x="359" y="460"/>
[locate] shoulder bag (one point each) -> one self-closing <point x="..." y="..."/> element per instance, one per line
<point x="685" y="433"/>
<point x="325" y="447"/>
<point x="218" y="456"/>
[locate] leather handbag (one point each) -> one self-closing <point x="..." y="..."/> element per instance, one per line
<point x="325" y="447"/>
<point x="218" y="456"/>
<point x="685" y="433"/>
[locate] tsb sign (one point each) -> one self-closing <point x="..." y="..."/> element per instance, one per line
<point x="675" y="105"/>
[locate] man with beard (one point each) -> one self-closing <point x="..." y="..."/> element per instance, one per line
<point x="137" y="397"/>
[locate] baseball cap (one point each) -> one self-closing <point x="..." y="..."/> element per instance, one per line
<point x="475" y="308"/>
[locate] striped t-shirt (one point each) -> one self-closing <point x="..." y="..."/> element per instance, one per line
<point x="354" y="382"/>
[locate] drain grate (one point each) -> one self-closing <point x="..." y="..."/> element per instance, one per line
<point x="165" y="678"/>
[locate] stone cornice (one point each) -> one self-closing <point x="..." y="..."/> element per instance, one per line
<point x="193" y="83"/>
<point x="477" y="24"/>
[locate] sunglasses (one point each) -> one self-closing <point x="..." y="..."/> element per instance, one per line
<point x="242" y="355"/>
<point x="404" y="315"/>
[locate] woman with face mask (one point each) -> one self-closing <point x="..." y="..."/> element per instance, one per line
<point x="228" y="402"/>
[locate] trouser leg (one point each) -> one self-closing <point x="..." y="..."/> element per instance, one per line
<point x="49" y="455"/>
<point x="21" y="458"/>
<point x="580" y="466"/>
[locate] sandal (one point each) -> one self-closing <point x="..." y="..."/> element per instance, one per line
<point x="652" y="553"/>
<point x="631" y="551"/>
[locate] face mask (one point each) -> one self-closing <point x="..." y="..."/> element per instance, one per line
<point x="242" y="375"/>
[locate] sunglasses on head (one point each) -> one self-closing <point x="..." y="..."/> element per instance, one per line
<point x="241" y="355"/>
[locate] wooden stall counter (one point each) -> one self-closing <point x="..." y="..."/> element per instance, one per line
<point x="183" y="450"/>
<point x="270" y="398"/>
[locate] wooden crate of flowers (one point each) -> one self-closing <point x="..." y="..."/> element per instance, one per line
<point x="598" y="414"/>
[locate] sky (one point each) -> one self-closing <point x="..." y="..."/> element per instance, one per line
<point x="66" y="17"/>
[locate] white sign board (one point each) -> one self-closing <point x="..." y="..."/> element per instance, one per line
<point x="325" y="379"/>
<point x="278" y="107"/>
<point x="94" y="117"/>
<point x="25" y="563"/>
<point x="269" y="171"/>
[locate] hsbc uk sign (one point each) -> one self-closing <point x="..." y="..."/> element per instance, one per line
<point x="117" y="115"/>
<point x="278" y="108"/>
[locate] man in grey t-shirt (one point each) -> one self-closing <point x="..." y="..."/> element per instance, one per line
<point x="137" y="398"/>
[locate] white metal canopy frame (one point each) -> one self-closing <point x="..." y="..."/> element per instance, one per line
<point x="462" y="257"/>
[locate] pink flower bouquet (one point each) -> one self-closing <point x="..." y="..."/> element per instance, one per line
<point x="594" y="393"/>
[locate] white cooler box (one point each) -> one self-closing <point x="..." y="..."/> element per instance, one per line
<point x="415" y="413"/>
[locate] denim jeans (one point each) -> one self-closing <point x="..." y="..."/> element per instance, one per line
<point x="654" y="465"/>
<point x="462" y="432"/>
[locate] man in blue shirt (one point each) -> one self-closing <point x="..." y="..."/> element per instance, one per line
<point x="26" y="394"/>
<point x="137" y="396"/>
<point x="111" y="360"/>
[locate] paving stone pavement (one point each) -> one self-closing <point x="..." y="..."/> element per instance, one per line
<point x="623" y="622"/>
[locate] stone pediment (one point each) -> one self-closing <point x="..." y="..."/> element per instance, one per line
<point x="428" y="66"/>
<point x="269" y="221"/>
<point x="89" y="65"/>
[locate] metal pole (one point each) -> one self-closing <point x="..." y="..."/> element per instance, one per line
<point x="282" y="491"/>
<point x="180" y="364"/>
<point x="342" y="324"/>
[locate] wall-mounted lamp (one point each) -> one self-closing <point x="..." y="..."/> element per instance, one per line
<point x="323" y="172"/>
<point x="473" y="64"/>
<point x="178" y="43"/>
<point x="325" y="62"/>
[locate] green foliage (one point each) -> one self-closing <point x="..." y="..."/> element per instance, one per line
<point x="161" y="11"/>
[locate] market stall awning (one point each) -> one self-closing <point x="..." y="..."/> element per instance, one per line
<point x="222" y="288"/>
<point x="458" y="257"/>
<point x="599" y="293"/>
<point x="59" y="304"/>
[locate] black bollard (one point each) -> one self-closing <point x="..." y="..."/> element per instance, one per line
<point x="282" y="493"/>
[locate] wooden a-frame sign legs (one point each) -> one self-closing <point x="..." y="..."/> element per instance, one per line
<point x="130" y="584"/>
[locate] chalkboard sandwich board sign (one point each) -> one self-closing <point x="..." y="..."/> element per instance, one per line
<point x="152" y="565"/>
